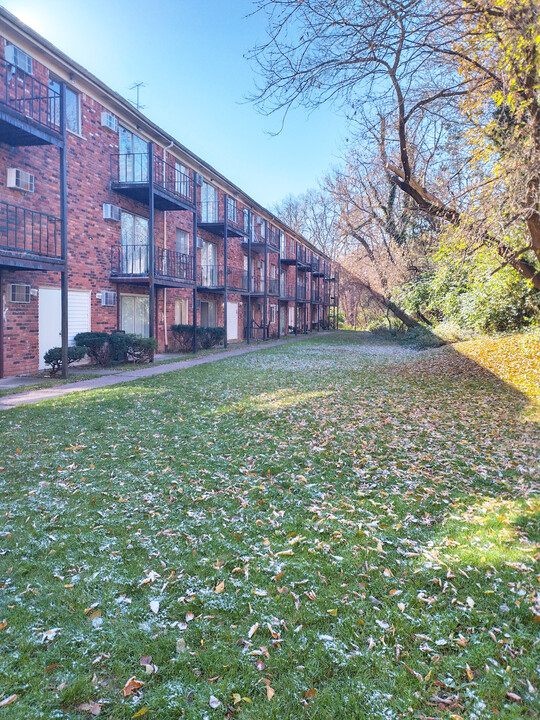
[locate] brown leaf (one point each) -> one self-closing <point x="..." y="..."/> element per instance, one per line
<point x="220" y="587"/>
<point x="513" y="697"/>
<point x="131" y="686"/>
<point x="8" y="700"/>
<point x="94" y="708"/>
<point x="145" y="660"/>
<point x="310" y="694"/>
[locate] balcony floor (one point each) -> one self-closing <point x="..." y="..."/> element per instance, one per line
<point x="163" y="200"/>
<point x="19" y="131"/>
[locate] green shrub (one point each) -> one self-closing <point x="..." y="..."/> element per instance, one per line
<point x="140" y="349"/>
<point x="98" y="347"/>
<point x="53" y="357"/>
<point x="206" y="337"/>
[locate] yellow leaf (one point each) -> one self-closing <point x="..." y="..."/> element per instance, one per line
<point x="220" y="587"/>
<point x="252" y="630"/>
<point x="141" y="712"/>
<point x="332" y="612"/>
<point x="469" y="672"/>
<point x="270" y="692"/>
<point x="236" y="698"/>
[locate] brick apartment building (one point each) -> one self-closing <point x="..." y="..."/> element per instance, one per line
<point x="108" y="223"/>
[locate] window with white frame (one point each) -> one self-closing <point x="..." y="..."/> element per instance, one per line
<point x="182" y="242"/>
<point x="181" y="179"/>
<point x="263" y="229"/>
<point x="209" y="203"/>
<point x="133" y="157"/>
<point x="134" y="314"/>
<point x="134" y="235"/>
<point x="73" y="107"/>
<point x="231" y="209"/>
<point x="208" y="313"/>
<point x="272" y="314"/>
<point x="181" y="309"/>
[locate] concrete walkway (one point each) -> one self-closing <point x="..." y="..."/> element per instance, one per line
<point x="35" y="396"/>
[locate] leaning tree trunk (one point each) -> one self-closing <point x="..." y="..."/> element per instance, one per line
<point x="386" y="303"/>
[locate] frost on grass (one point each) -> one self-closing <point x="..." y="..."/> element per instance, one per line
<point x="326" y="524"/>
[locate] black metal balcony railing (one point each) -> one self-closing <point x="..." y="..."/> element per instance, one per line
<point x="30" y="97"/>
<point x="273" y="286"/>
<point x="29" y="231"/>
<point x="211" y="276"/>
<point x="273" y="238"/>
<point x="314" y="265"/>
<point x="172" y="264"/>
<point x="316" y="296"/>
<point x="134" y="261"/>
<point x="301" y="292"/>
<point x="132" y="169"/>
<point x="212" y="212"/>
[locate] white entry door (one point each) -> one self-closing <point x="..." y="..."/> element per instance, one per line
<point x="232" y="321"/>
<point x="50" y="318"/>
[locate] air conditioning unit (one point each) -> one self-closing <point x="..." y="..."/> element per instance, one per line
<point x="198" y="179"/>
<point x="259" y="220"/>
<point x="19" y="293"/>
<point x="112" y="212"/>
<point x="18" y="58"/>
<point x="109" y="121"/>
<point x="199" y="243"/>
<point x="108" y="298"/>
<point x="20" y="180"/>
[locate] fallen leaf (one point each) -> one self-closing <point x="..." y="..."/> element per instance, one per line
<point x="513" y="697"/>
<point x="8" y="700"/>
<point x="220" y="587"/>
<point x="94" y="708"/>
<point x="469" y="672"/>
<point x="141" y="712"/>
<point x="310" y="694"/>
<point x="214" y="702"/>
<point x="131" y="686"/>
<point x="252" y="630"/>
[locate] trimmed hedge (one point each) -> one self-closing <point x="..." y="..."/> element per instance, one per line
<point x="106" y="348"/>
<point x="53" y="357"/>
<point x="207" y="337"/>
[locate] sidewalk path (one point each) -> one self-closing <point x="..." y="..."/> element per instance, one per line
<point x="34" y="396"/>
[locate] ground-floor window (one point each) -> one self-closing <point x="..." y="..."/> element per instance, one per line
<point x="208" y="313"/>
<point x="181" y="311"/>
<point x="134" y="314"/>
<point x="272" y="314"/>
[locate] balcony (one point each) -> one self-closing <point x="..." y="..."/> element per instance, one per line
<point x="287" y="291"/>
<point x="29" y="239"/>
<point x="132" y="263"/>
<point x="210" y="279"/>
<point x="288" y="256"/>
<point x="316" y="297"/>
<point x="301" y="292"/>
<point x="316" y="267"/>
<point x="212" y="219"/>
<point x="273" y="286"/>
<point x="29" y="110"/>
<point x="301" y="259"/>
<point x="173" y="190"/>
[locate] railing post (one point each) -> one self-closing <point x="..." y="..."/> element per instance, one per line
<point x="194" y="263"/>
<point x="250" y="240"/>
<point x="63" y="237"/>
<point x="225" y="238"/>
<point x="151" y="273"/>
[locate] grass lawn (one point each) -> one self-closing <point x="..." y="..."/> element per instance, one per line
<point x="325" y="529"/>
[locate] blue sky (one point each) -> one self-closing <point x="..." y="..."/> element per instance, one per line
<point x="190" y="54"/>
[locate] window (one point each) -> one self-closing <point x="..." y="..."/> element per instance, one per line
<point x="181" y="311"/>
<point x="73" y="107"/>
<point x="246" y="220"/>
<point x="273" y="272"/>
<point x="231" y="209"/>
<point x="272" y="314"/>
<point x="263" y="229"/>
<point x="15" y="56"/>
<point x="208" y="313"/>
<point x="134" y="244"/>
<point x="134" y="314"/>
<point x="209" y="203"/>
<point x="182" y="242"/>
<point x="209" y="269"/>
<point x="282" y="243"/>
<point x="181" y="179"/>
<point x="133" y="158"/>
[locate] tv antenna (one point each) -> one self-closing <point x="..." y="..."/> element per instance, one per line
<point x="137" y="87"/>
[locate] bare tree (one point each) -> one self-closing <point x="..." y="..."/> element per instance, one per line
<point x="396" y="65"/>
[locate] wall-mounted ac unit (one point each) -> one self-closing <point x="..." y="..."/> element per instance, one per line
<point x="259" y="220"/>
<point x="199" y="243"/>
<point x="108" y="298"/>
<point x="112" y="212"/>
<point x="20" y="180"/>
<point x="19" y="293"/>
<point x="109" y="121"/>
<point x="198" y="179"/>
<point x="15" y="56"/>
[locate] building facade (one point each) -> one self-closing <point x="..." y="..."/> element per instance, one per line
<point x="108" y="223"/>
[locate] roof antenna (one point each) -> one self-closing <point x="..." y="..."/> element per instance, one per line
<point x="137" y="87"/>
